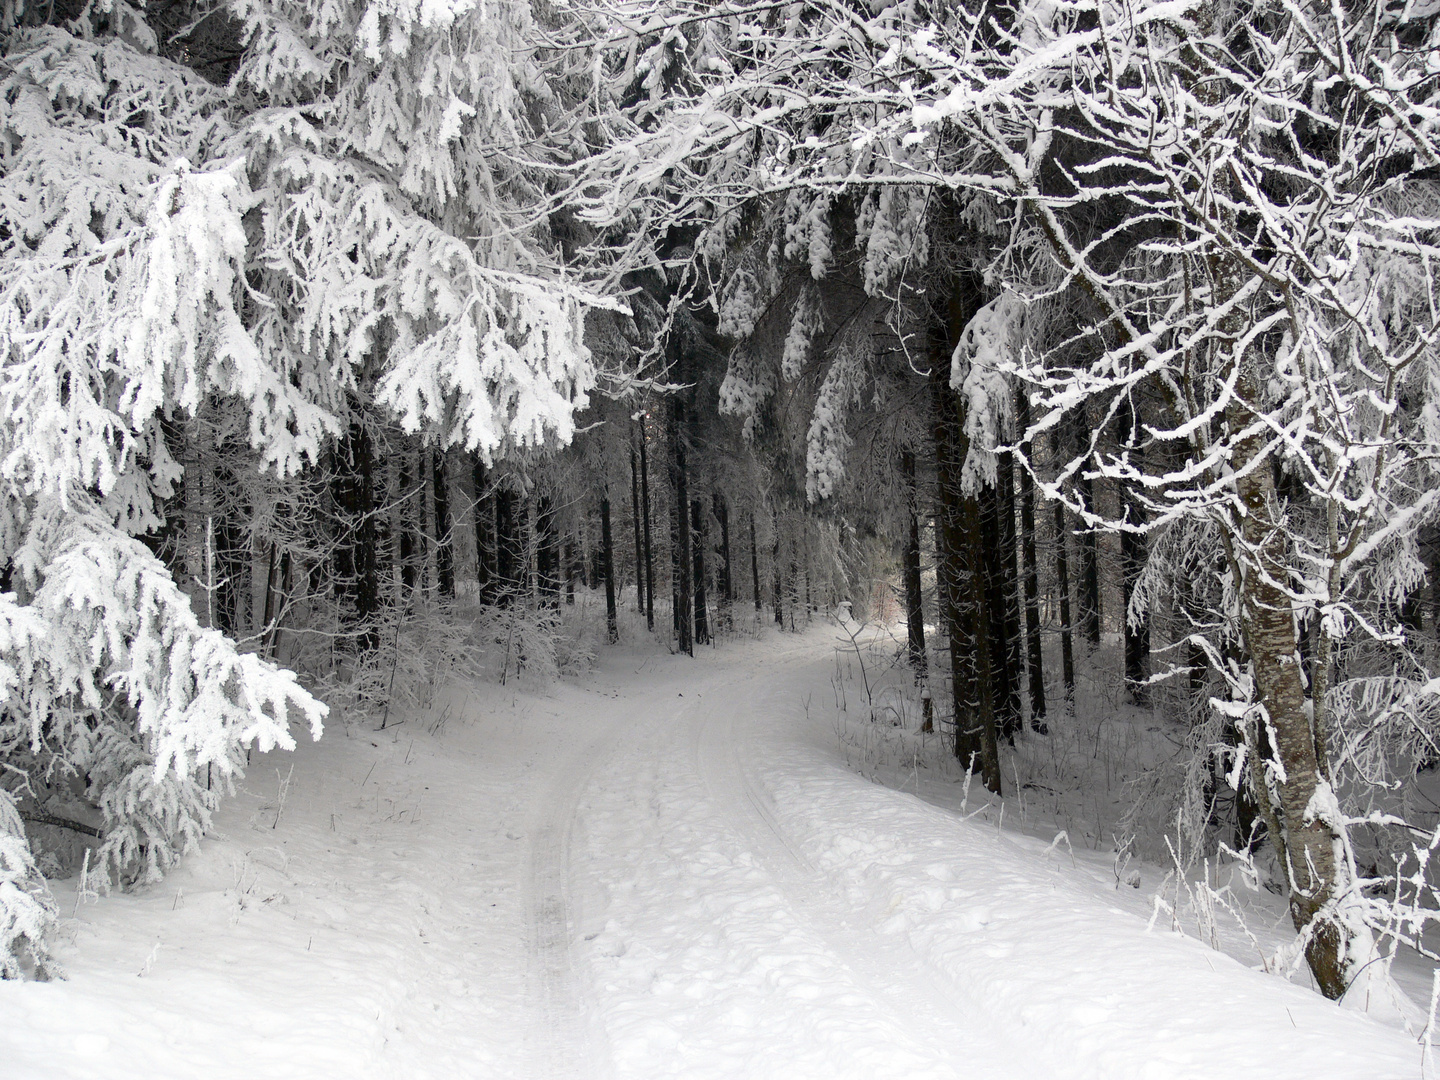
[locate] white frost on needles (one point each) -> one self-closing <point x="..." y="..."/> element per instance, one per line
<point x="979" y="369"/>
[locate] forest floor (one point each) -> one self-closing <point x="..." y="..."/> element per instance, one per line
<point x="668" y="868"/>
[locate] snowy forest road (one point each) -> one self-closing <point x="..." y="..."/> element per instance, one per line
<point x="669" y="868"/>
<point x="757" y="971"/>
<point x="746" y="906"/>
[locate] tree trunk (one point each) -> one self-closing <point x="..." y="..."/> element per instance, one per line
<point x="983" y="728"/>
<point x="508" y="549"/>
<point x="914" y="600"/>
<point x="635" y="519"/>
<point x="548" y="553"/>
<point x="1062" y="573"/>
<point x="1008" y="581"/>
<point x="1137" y="634"/>
<point x="649" y="547"/>
<point x="755" y="569"/>
<point x="1034" y="658"/>
<point x="425" y="549"/>
<point x="684" y="586"/>
<point x="409" y="574"/>
<point x="697" y="548"/>
<point x="1089" y="546"/>
<point x="607" y="547"/>
<point x="485" y="573"/>
<point x="951" y="551"/>
<point x="778" y="585"/>
<point x="1306" y="844"/>
<point x="444" y="550"/>
<point x="356" y="570"/>
<point x="727" y="585"/>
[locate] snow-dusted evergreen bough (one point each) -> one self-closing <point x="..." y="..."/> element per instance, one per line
<point x="345" y="204"/>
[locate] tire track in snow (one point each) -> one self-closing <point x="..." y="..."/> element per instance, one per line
<point x="565" y="1048"/>
<point x="901" y="984"/>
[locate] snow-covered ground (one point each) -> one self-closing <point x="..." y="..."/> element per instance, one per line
<point x="667" y="869"/>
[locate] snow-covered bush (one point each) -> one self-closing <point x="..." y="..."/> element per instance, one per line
<point x="27" y="911"/>
<point x="109" y="679"/>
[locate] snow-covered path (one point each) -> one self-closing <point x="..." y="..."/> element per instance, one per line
<point x="718" y="948"/>
<point x="664" y="871"/>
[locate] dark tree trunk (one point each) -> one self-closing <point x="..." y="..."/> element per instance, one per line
<point x="727" y="584"/>
<point x="778" y="585"/>
<point x="649" y="547"/>
<point x="809" y="573"/>
<point x="1009" y="593"/>
<point x="570" y="574"/>
<point x="951" y="553"/>
<point x="635" y="519"/>
<point x="422" y="534"/>
<point x="356" y="570"/>
<point x="1062" y="572"/>
<point x="548" y="554"/>
<point x="755" y="568"/>
<point x="914" y="599"/>
<point x="674" y="569"/>
<point x="1033" y="657"/>
<point x="484" y="532"/>
<point x="282" y="599"/>
<point x="680" y="482"/>
<point x="1137" y="635"/>
<point x="997" y="641"/>
<point x="795" y="587"/>
<point x="607" y="547"/>
<point x="444" y="549"/>
<point x="508" y="548"/>
<point x="983" y="727"/>
<point x="409" y="574"/>
<point x="697" y="548"/>
<point x="960" y="550"/>
<point x="1089" y="546"/>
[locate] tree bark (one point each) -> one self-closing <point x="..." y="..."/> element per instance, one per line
<point x="508" y="548"/>
<point x="1137" y="635"/>
<point x="697" y="547"/>
<point x="684" y="586"/>
<point x="1031" y="572"/>
<point x="1089" y="546"/>
<point x="485" y="572"/>
<point x="755" y="569"/>
<point x="649" y="546"/>
<point x="356" y="570"/>
<point x="607" y="547"/>
<point x="1306" y="843"/>
<point x="727" y="584"/>
<point x="548" y="554"/>
<point x="635" y="518"/>
<point x="1007" y="593"/>
<point x="960" y="554"/>
<point x="983" y="728"/>
<point x="778" y="585"/>
<point x="1062" y="573"/>
<point x="444" y="549"/>
<point x="914" y="600"/>
<point x="409" y="574"/>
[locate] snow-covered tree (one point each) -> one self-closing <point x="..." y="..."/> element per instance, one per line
<point x="1242" y="193"/>
<point x="361" y="214"/>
